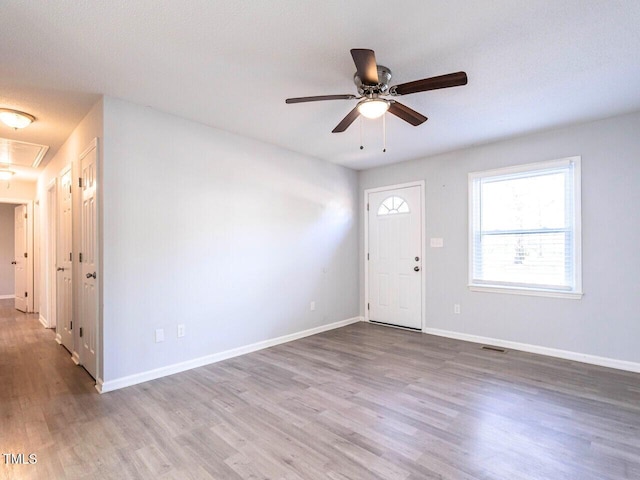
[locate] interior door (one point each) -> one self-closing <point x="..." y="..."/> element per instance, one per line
<point x="20" y="257"/>
<point x="395" y="257"/>
<point x="88" y="319"/>
<point x="64" y="264"/>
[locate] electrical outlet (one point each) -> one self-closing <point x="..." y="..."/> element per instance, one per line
<point x="312" y="306"/>
<point x="456" y="308"/>
<point x="181" y="330"/>
<point x="159" y="335"/>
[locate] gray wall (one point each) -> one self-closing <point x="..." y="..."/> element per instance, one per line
<point x="230" y="236"/>
<point x="7" y="285"/>
<point x="606" y="321"/>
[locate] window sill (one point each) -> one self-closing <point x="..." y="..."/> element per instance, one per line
<point x="526" y="291"/>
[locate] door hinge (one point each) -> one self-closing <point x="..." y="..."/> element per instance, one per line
<point x="25" y="215"/>
<point x="26" y="294"/>
<point x="80" y="331"/>
<point x="80" y="258"/>
<point x="71" y="327"/>
<point x="80" y="182"/>
<point x="70" y="188"/>
<point x="367" y="207"/>
<point x="367" y="256"/>
<point x="25" y="254"/>
<point x="368" y="306"/>
<point x="70" y="257"/>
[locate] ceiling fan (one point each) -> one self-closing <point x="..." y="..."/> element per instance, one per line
<point x="372" y="82"/>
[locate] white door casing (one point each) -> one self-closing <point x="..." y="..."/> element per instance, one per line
<point x="395" y="256"/>
<point x="64" y="263"/>
<point x="50" y="253"/>
<point x="20" y="257"/>
<point x="88" y="318"/>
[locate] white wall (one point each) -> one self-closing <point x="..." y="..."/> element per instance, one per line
<point x="17" y="191"/>
<point x="89" y="128"/>
<point x="7" y="240"/>
<point x="606" y="321"/>
<point x="230" y="236"/>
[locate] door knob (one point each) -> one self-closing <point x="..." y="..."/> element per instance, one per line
<point x="14" y="263"/>
<point x="416" y="269"/>
<point x="60" y="269"/>
<point x="91" y="275"/>
<point x="417" y="259"/>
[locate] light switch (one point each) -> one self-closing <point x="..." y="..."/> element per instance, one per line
<point x="437" y="242"/>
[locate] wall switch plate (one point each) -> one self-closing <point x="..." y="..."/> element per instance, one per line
<point x="456" y="308"/>
<point x="181" y="330"/>
<point x="312" y="306"/>
<point x="437" y="242"/>
<point x="159" y="335"/>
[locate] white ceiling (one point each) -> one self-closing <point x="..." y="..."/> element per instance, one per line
<point x="531" y="64"/>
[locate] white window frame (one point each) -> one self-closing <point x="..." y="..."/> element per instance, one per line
<point x="576" y="293"/>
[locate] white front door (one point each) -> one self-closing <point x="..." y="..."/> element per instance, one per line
<point x="64" y="264"/>
<point x="20" y="257"/>
<point x="395" y="257"/>
<point x="88" y="319"/>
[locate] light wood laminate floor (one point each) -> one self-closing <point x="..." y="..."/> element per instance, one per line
<point x="361" y="402"/>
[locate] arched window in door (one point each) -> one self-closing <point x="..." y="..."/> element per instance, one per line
<point x="393" y="205"/>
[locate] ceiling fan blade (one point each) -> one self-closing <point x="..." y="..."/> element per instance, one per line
<point x="407" y="114"/>
<point x="319" y="98"/>
<point x="433" y="83"/>
<point x="346" y="121"/>
<point x="366" y="65"/>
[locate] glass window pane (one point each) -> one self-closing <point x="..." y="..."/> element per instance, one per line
<point x="524" y="203"/>
<point x="393" y="205"/>
<point x="535" y="259"/>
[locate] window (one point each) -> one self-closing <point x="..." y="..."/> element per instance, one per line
<point x="524" y="229"/>
<point x="393" y="205"/>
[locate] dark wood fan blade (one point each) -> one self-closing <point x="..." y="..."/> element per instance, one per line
<point x="407" y="114"/>
<point x="319" y="98"/>
<point x="346" y="121"/>
<point x="433" y="83"/>
<point x="366" y="65"/>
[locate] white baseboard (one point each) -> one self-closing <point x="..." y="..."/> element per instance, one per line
<point x="7" y="297"/>
<point x="75" y="358"/>
<point x="141" y="377"/>
<point x="59" y="339"/>
<point x="551" y="352"/>
<point x="43" y="321"/>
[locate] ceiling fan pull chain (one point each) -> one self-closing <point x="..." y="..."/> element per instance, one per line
<point x="384" y="133"/>
<point x="361" y="145"/>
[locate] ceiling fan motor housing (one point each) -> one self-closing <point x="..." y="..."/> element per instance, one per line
<point x="384" y="77"/>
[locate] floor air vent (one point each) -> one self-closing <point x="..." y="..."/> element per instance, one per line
<point x="494" y="349"/>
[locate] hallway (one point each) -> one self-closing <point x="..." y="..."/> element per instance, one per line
<point x="43" y="396"/>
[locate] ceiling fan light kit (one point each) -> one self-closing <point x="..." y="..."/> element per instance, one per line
<point x="372" y="83"/>
<point x="373" y="107"/>
<point x="15" y="118"/>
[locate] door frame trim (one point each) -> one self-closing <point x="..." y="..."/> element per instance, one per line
<point x="367" y="192"/>
<point x="50" y="237"/>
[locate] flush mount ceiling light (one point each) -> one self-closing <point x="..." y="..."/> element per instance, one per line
<point x="6" y="174"/>
<point x="15" y="119"/>
<point x="373" y="107"/>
